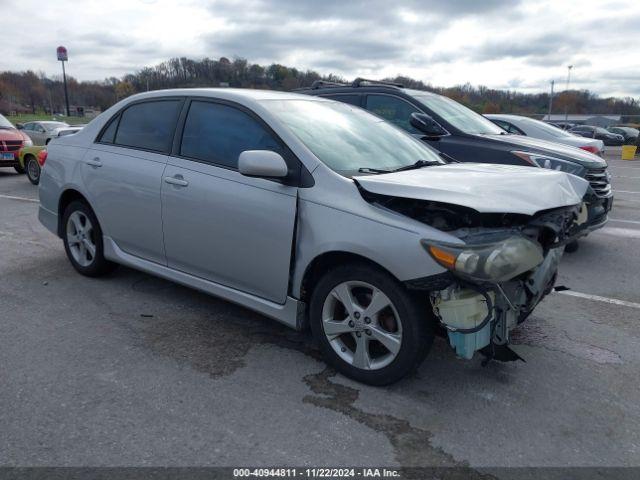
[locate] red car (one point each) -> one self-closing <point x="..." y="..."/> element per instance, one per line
<point x="11" y="141"/>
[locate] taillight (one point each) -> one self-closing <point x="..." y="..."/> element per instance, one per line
<point x="590" y="148"/>
<point x="42" y="157"/>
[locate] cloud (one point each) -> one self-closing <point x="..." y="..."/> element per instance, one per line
<point x="520" y="45"/>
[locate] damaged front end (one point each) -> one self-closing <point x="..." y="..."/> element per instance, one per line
<point x="506" y="264"/>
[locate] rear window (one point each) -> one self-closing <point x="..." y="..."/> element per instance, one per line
<point x="148" y="126"/>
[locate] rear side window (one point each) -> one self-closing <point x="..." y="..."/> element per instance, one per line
<point x="109" y="134"/>
<point x="392" y="109"/>
<point x="148" y="126"/>
<point x="350" y="99"/>
<point x="217" y="134"/>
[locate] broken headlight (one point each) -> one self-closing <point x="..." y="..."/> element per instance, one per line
<point x="552" y="163"/>
<point x="494" y="262"/>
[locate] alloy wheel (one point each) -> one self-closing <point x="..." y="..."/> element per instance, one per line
<point x="362" y="325"/>
<point x="80" y="238"/>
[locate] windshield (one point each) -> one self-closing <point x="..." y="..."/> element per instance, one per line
<point x="5" y="123"/>
<point x="347" y="138"/>
<point x="545" y="127"/>
<point x="461" y="117"/>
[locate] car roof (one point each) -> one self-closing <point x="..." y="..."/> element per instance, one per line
<point x="223" y="93"/>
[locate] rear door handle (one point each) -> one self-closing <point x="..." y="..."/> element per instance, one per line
<point x="95" y="162"/>
<point x="177" y="180"/>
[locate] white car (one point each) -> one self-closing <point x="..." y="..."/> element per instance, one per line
<point x="530" y="127"/>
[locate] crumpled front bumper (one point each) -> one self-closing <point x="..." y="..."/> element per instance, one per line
<point x="478" y="316"/>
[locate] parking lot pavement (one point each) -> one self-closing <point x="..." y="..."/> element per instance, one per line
<point x="133" y="370"/>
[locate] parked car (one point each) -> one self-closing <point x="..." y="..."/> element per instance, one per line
<point x="11" y="141"/>
<point x="313" y="212"/>
<point x="530" y="127"/>
<point x="630" y="134"/>
<point x="70" y="130"/>
<point x="41" y="133"/>
<point x="589" y="131"/>
<point x="465" y="136"/>
<point x="31" y="160"/>
<point x="561" y="125"/>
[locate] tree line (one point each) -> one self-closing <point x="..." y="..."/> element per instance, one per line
<point x="32" y="92"/>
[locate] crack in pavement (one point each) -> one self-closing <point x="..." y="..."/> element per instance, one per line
<point x="412" y="445"/>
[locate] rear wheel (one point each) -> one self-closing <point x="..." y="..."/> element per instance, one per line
<point x="32" y="168"/>
<point x="82" y="238"/>
<point x="368" y="326"/>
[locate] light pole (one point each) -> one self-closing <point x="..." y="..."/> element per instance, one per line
<point x="550" y="100"/>
<point x="566" y="107"/>
<point x="62" y="57"/>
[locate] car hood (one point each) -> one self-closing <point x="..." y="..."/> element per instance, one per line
<point x="567" y="152"/>
<point x="486" y="188"/>
<point x="10" y="134"/>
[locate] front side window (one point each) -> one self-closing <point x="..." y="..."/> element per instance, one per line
<point x="148" y="125"/>
<point x="456" y="114"/>
<point x="218" y="134"/>
<point x="347" y="138"/>
<point x="392" y="109"/>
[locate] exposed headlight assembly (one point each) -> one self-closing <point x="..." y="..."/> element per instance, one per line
<point x="27" y="142"/>
<point x="493" y="262"/>
<point x="552" y="163"/>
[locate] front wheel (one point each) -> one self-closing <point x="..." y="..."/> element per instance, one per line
<point x="82" y="238"/>
<point x="33" y="169"/>
<point x="368" y="326"/>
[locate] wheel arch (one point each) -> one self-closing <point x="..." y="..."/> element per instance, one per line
<point x="326" y="260"/>
<point x="68" y="196"/>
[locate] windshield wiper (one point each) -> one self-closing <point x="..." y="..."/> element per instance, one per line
<point x="413" y="166"/>
<point x="418" y="164"/>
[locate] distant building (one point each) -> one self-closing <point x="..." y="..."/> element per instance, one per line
<point x="597" y="120"/>
<point x="84" y="111"/>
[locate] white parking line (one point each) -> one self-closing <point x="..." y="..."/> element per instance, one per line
<point x="623" y="191"/>
<point x="598" y="298"/>
<point x="624" y="221"/>
<point x="620" y="232"/>
<point x="22" y="199"/>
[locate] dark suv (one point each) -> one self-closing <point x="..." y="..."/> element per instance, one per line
<point x="462" y="135"/>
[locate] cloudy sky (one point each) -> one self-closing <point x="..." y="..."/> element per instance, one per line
<point x="509" y="44"/>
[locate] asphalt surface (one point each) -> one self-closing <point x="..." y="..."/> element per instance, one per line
<point x="131" y="370"/>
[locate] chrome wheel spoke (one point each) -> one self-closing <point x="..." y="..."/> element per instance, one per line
<point x="333" y="329"/>
<point x="389" y="340"/>
<point x="361" y="358"/>
<point x="89" y="247"/>
<point x="379" y="301"/>
<point x="343" y="294"/>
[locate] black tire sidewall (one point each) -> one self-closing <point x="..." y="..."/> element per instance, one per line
<point x="417" y="324"/>
<point x="100" y="265"/>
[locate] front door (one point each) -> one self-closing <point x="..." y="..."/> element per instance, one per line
<point x="218" y="224"/>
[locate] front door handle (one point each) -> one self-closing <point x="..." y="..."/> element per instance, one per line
<point x="95" y="162"/>
<point x="177" y="180"/>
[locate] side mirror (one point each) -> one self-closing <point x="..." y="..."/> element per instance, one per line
<point x="19" y="126"/>
<point x="427" y="125"/>
<point x="262" y="163"/>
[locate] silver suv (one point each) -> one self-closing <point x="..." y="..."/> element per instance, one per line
<point x="313" y="212"/>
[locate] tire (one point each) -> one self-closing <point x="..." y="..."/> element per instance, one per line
<point x="32" y="169"/>
<point x="19" y="169"/>
<point x="572" y="247"/>
<point x="80" y="228"/>
<point x="411" y="336"/>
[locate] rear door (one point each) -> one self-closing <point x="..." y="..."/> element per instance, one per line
<point x="122" y="173"/>
<point x="218" y="224"/>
